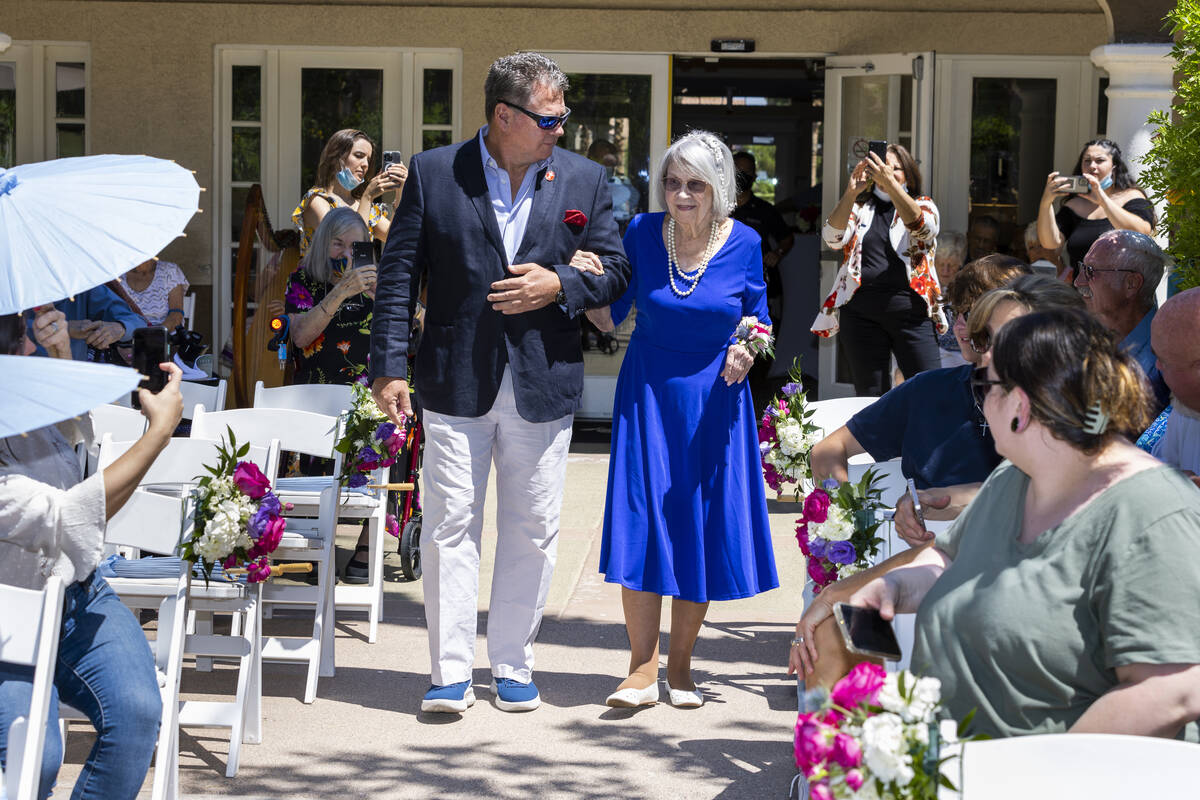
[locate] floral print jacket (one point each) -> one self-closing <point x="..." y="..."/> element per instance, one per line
<point x="915" y="244"/>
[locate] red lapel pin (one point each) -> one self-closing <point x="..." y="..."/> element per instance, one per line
<point x="550" y="175"/>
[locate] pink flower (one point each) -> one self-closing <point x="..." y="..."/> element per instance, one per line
<point x="802" y="537"/>
<point x="229" y="562"/>
<point x="846" y="751"/>
<point x="392" y="525"/>
<point x="854" y="779"/>
<point x="820" y="791"/>
<point x="813" y="742"/>
<point x="820" y="575"/>
<point x="860" y="686"/>
<point x="772" y="477"/>
<point x="259" y="570"/>
<point x="816" y="506"/>
<point x="272" y="535"/>
<point x="249" y="478"/>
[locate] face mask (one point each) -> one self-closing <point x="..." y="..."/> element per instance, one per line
<point x="881" y="195"/>
<point x="1106" y="183"/>
<point x="339" y="265"/>
<point x="745" y="181"/>
<point x="610" y="172"/>
<point x="347" y="179"/>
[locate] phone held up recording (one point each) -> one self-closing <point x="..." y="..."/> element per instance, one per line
<point x="866" y="633"/>
<point x="1075" y="184"/>
<point x="390" y="157"/>
<point x="149" y="350"/>
<point x="879" y="148"/>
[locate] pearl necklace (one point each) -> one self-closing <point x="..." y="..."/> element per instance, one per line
<point x="673" y="267"/>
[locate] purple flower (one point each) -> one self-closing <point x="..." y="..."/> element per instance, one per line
<point x="298" y="296"/>
<point x="357" y="481"/>
<point x="259" y="520"/>
<point x="817" y="547"/>
<point x="841" y="553"/>
<point x="270" y="502"/>
<point x="367" y="459"/>
<point x="385" y="431"/>
<point x="791" y="388"/>
<point x="830" y="484"/>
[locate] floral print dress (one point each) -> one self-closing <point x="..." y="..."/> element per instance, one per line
<point x="340" y="354"/>
<point x="306" y="233"/>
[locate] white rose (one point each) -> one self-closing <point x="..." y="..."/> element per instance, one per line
<point x="889" y="695"/>
<point x="948" y="731"/>
<point x="837" y="527"/>
<point x="791" y="437"/>
<point x="883" y="745"/>
<point x="925" y="697"/>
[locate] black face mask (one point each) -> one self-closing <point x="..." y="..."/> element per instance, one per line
<point x="745" y="181"/>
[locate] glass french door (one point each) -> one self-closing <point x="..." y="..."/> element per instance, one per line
<point x="620" y="110"/>
<point x="888" y="97"/>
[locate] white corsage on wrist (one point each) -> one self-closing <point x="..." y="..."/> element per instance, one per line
<point x="755" y="337"/>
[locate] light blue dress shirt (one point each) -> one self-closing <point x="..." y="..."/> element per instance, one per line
<point x="512" y="215"/>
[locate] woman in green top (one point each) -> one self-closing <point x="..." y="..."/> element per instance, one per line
<point x="1067" y="595"/>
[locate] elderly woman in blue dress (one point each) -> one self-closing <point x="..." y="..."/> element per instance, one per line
<point x="686" y="512"/>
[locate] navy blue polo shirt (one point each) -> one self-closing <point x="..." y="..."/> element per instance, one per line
<point x="931" y="422"/>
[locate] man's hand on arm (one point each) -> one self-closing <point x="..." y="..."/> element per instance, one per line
<point x="392" y="397"/>
<point x="105" y="334"/>
<point x="533" y="287"/>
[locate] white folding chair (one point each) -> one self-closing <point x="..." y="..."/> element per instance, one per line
<point x="1073" y="766"/>
<point x="311" y="528"/>
<point x="124" y="424"/>
<point x="829" y="415"/>
<point x="189" y="310"/>
<point x="29" y="626"/>
<point x="151" y="521"/>
<point x="202" y="394"/>
<point x="304" y="434"/>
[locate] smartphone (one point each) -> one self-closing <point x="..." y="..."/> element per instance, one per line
<point x="916" y="501"/>
<point x="390" y="157"/>
<point x="879" y="148"/>
<point x="1076" y="184"/>
<point x="866" y="633"/>
<point x="362" y="254"/>
<point x="149" y="350"/>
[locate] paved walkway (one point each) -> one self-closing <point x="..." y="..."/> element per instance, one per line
<point x="365" y="737"/>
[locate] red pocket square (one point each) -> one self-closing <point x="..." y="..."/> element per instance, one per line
<point x="575" y="217"/>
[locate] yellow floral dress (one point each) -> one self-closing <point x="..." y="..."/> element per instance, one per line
<point x="306" y="233"/>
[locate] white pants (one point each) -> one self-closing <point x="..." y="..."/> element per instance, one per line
<point x="531" y="460"/>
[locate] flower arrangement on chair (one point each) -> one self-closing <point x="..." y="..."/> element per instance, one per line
<point x="787" y="434"/>
<point x="369" y="441"/>
<point x="237" y="519"/>
<point x="836" y="530"/>
<point x="877" y="736"/>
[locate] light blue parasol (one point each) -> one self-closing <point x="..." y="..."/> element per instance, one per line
<point x="42" y="391"/>
<point x="73" y="223"/>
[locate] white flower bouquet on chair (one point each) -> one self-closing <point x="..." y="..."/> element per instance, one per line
<point x="237" y="519"/>
<point x="786" y="435"/>
<point x="877" y="736"/>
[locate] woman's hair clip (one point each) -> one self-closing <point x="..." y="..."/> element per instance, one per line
<point x="1096" y="421"/>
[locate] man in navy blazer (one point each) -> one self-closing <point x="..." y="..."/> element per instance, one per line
<point x="513" y="239"/>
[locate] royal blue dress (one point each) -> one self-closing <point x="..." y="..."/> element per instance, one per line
<point x="686" y="511"/>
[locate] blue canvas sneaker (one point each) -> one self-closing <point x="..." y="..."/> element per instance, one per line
<point x="453" y="698"/>
<point x="512" y="695"/>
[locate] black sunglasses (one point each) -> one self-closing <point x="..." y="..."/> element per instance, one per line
<point x="544" y="121"/>
<point x="1091" y="271"/>
<point x="981" y="384"/>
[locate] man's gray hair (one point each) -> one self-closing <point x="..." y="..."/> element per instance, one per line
<point x="342" y="221"/>
<point x="952" y="244"/>
<point x="1138" y="252"/>
<point x="1031" y="235"/>
<point x="702" y="155"/>
<point x="513" y="78"/>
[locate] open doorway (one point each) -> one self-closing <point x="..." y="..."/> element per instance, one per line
<point x="772" y="109"/>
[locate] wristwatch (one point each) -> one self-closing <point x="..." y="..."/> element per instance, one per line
<point x="561" y="298"/>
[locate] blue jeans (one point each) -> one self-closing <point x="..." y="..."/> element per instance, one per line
<point x="105" y="670"/>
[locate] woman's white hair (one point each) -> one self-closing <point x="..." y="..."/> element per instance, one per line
<point x="702" y="155"/>
<point x="337" y="222"/>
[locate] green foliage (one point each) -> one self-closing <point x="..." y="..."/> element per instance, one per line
<point x="1172" y="166"/>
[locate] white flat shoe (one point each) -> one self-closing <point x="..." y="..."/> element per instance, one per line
<point x="632" y="698"/>
<point x="682" y="698"/>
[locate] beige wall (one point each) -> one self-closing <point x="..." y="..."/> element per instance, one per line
<point x="152" y="62"/>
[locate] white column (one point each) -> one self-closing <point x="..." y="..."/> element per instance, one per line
<point x="1140" y="80"/>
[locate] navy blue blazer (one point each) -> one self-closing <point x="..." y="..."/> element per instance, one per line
<point x="445" y="230"/>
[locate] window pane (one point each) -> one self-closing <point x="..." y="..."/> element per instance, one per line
<point x="247" y="94"/>
<point x="438" y="87"/>
<point x="246" y="144"/>
<point x="864" y="117"/>
<point x="432" y="139"/>
<point x="610" y="124"/>
<point x="764" y="160"/>
<point x="70" y="140"/>
<point x="69" y="82"/>
<point x="332" y="99"/>
<point x="8" y="115"/>
<point x="1012" y="151"/>
<point x="237" y="213"/>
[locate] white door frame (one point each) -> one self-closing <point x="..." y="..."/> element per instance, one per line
<point x="921" y="67"/>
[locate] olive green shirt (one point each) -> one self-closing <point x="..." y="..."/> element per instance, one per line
<point x="1031" y="634"/>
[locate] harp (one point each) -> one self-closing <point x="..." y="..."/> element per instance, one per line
<point x="251" y="360"/>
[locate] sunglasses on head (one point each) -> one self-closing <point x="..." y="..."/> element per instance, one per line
<point x="693" y="186"/>
<point x="1091" y="271"/>
<point x="544" y="121"/>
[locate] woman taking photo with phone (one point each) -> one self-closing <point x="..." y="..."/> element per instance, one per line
<point x="886" y="299"/>
<point x="1111" y="200"/>
<point x="1065" y="597"/>
<point x="342" y="181"/>
<point x="330" y="303"/>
